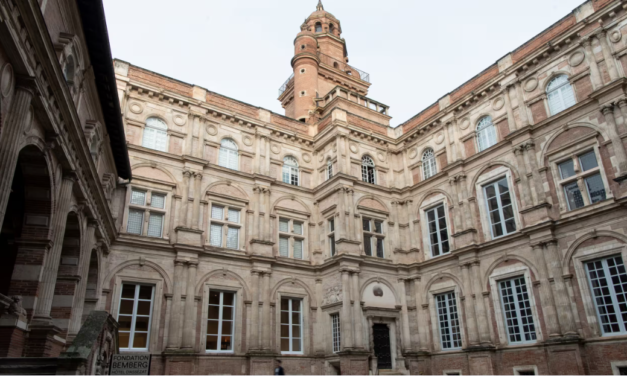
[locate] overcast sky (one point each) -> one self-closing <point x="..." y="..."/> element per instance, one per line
<point x="416" y="51"/>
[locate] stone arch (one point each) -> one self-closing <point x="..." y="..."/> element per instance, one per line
<point x="499" y="260"/>
<point x="206" y="277"/>
<point x="286" y="280"/>
<point x="379" y="280"/>
<point x="93" y="290"/>
<point x="166" y="279"/>
<point x="230" y="137"/>
<point x="439" y="276"/>
<point x="478" y="117"/>
<point x="374" y="198"/>
<point x="293" y="198"/>
<point x="591" y="235"/>
<point x="558" y="132"/>
<point x="435" y="191"/>
<point x="551" y="76"/>
<point x="156" y="166"/>
<point x="228" y="183"/>
<point x="154" y="114"/>
<point x="514" y="171"/>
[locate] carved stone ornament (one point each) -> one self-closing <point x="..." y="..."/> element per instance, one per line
<point x="413" y="153"/>
<point x="136" y="107"/>
<point x="321" y="158"/>
<point x="354" y="148"/>
<point x="464" y="124"/>
<point x="179" y="120"/>
<point x="377" y="291"/>
<point x="276" y="148"/>
<point x="381" y="157"/>
<point x="212" y="130"/>
<point x="439" y="138"/>
<point x="498" y="103"/>
<point x="576" y="58"/>
<point x="307" y="158"/>
<point x="531" y="84"/>
<point x="247" y="140"/>
<point x="332" y="295"/>
<point x="6" y="80"/>
<point x="615" y="36"/>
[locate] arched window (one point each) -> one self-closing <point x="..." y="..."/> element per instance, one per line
<point x="318" y="28"/>
<point x="429" y="167"/>
<point x="331" y="28"/>
<point x="69" y="68"/>
<point x="290" y="171"/>
<point x="486" y="133"/>
<point x="560" y="94"/>
<point x="367" y="170"/>
<point x="155" y="134"/>
<point x="329" y="169"/>
<point x="228" y="154"/>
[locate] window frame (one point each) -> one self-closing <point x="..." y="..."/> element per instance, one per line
<point x="234" y="319"/>
<point x="226" y="224"/>
<point x="374" y="236"/>
<point x="147" y="210"/>
<point x="368" y="164"/>
<point x="519" y="317"/>
<point x="621" y="323"/>
<point x="329" y="169"/>
<point x="300" y="324"/>
<point x="164" y="131"/>
<point x="558" y="90"/>
<point x="230" y="153"/>
<point x="490" y="133"/>
<point x="134" y="314"/>
<point x="336" y="332"/>
<point x="292" y="236"/>
<point x="426" y="211"/>
<point x="494" y="183"/>
<point x="331" y="236"/>
<point x="430" y="163"/>
<point x="293" y="171"/>
<point x="447" y="294"/>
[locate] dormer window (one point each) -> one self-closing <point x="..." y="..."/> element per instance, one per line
<point x="318" y="28"/>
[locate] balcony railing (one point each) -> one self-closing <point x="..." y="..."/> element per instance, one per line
<point x="337" y="64"/>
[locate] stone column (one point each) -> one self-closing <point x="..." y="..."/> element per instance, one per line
<point x="520" y="162"/>
<point x="467" y="214"/>
<point x="185" y="197"/>
<point x="257" y="157"/>
<point x="201" y="137"/>
<point x="174" y="337"/>
<point x="610" y="62"/>
<point x="318" y="329"/>
<point x="482" y="318"/>
<point x="350" y="196"/>
<point x="196" y="207"/>
<point x="357" y="314"/>
<point x="189" y="138"/>
<point x="537" y="177"/>
<point x="53" y="258"/>
<point x="546" y="294"/>
<point x="396" y="234"/>
<point x="254" y="322"/>
<point x="265" y="312"/>
<point x="522" y="107"/>
<point x="189" y="332"/>
<point x="256" y="212"/>
<point x="562" y="301"/>
<point x="11" y="133"/>
<point x="595" y="74"/>
<point x="346" y="327"/>
<point x="617" y="144"/>
<point x="267" y="164"/>
<point x="79" y="300"/>
<point x="268" y="210"/>
<point x="341" y="230"/>
<point x="456" y="207"/>
<point x="471" y="320"/>
<point x="404" y="316"/>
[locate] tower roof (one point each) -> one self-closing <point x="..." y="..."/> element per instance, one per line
<point x="321" y="13"/>
<point x="320" y="6"/>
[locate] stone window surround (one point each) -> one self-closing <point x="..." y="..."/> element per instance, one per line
<point x="518" y="369"/>
<point x="291" y="235"/>
<point x="149" y="188"/>
<point x="374" y="235"/>
<point x="491" y="177"/>
<point x="223" y="286"/>
<point x="425" y="206"/>
<point x="447" y="286"/>
<point x="306" y="317"/>
<point x="504" y="273"/>
<point x="140" y="137"/>
<point x="333" y="309"/>
<point x="145" y="278"/>
<point x="588" y="143"/>
<point x="615" y="366"/>
<point x="373" y="215"/>
<point x="582" y="256"/>
<point x="225" y="203"/>
<point x="544" y="96"/>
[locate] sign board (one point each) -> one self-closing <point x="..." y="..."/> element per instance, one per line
<point x="130" y="364"/>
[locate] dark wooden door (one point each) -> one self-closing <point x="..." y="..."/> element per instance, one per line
<point x="381" y="334"/>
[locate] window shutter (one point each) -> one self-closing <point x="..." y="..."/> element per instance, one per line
<point x="155" y="225"/>
<point x="232" y="238"/>
<point x="216" y="235"/>
<point x="234" y="215"/>
<point x="298" y="249"/>
<point x="217" y="212"/>
<point x="284" y="225"/>
<point x="284" y="247"/>
<point x="135" y="220"/>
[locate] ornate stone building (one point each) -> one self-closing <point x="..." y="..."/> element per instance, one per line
<point x="486" y="235"/>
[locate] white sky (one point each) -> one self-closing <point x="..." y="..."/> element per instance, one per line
<point x="416" y="51"/>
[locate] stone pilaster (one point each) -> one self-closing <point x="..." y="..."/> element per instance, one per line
<point x="610" y="62"/>
<point x="174" y="332"/>
<point x="522" y="107"/>
<point x="595" y="74"/>
<point x="266" y="340"/>
<point x="406" y="341"/>
<point x="254" y="321"/>
<point x="468" y="299"/>
<point x="617" y="144"/>
<point x="546" y="293"/>
<point x="530" y="148"/>
<point x="346" y="327"/>
<point x="357" y="313"/>
<point x="196" y="207"/>
<point x="562" y="301"/>
<point x="185" y="197"/>
<point x="189" y="332"/>
<point x="519" y="152"/>
<point x="480" y="308"/>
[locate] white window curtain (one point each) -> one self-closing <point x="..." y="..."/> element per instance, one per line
<point x="298" y="249"/>
<point x="486" y="133"/>
<point x="216" y="235"/>
<point x="155" y="134"/>
<point x="560" y="94"/>
<point x="232" y="238"/>
<point x="429" y="167"/>
<point x="229" y="156"/>
<point x="284" y="247"/>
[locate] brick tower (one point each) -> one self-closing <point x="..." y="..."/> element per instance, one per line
<point x="320" y="64"/>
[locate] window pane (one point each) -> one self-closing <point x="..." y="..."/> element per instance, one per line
<point x="380" y="247"/>
<point x="138" y="197"/>
<point x="128" y="291"/>
<point x="332" y="244"/>
<point x="366" y="224"/>
<point x="124" y="339"/>
<point x="335" y="331"/>
<point x="157" y="201"/>
<point x="284" y="247"/>
<point x="331" y="225"/>
<point x="378" y="227"/>
<point x="126" y="307"/>
<point x="216" y="235"/>
<point x="214" y="312"/>
<point x="225" y="343"/>
<point x="285" y="344"/>
<point x="227" y="327"/>
<point x="298" y="249"/>
<point x="217" y="212"/>
<point x="573" y="196"/>
<point x="234" y="215"/>
<point x="212" y="342"/>
<point x="141" y="324"/>
<point x="214" y="297"/>
<point x="284" y="225"/>
<point x="608" y="282"/>
<point x="588" y="161"/>
<point x="145" y="292"/>
<point x="232" y="238"/>
<point x="135" y="221"/>
<point x="212" y="327"/>
<point x="367" y="245"/>
<point x="595" y="187"/>
<point x="567" y="169"/>
<point x="143" y="307"/>
<point x="155" y="225"/>
<point x="298" y="228"/>
<point x="125" y="322"/>
<point x="228" y="299"/>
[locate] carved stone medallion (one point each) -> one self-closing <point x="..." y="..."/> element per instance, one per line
<point x="576" y="58"/>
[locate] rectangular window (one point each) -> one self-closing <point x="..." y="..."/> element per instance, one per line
<point x="573" y="196"/>
<point x="220" y="321"/>
<point x="450" y="335"/>
<point x="500" y="208"/>
<point x="216" y="235"/>
<point x="157" y="201"/>
<point x="224" y="218"/>
<point x="232" y="238"/>
<point x="138" y="197"/>
<point x="134" y="316"/>
<point x="234" y="215"/>
<point x="135" y="221"/>
<point x="298" y="228"/>
<point x="581" y="180"/>
<point x="155" y="225"/>
<point x="284" y="225"/>
<point x="608" y="282"/>
<point x="291" y="240"/>
<point x="438" y="232"/>
<point x="373" y="237"/>
<point x="291" y="326"/>
<point x="335" y="331"/>
<point x="217" y="212"/>
<point x="517" y="310"/>
<point x="332" y="237"/>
